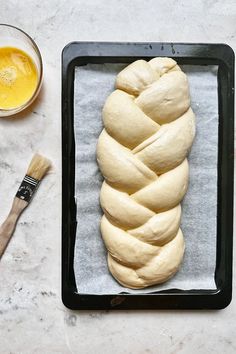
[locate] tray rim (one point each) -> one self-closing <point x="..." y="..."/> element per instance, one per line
<point x="204" y="53"/>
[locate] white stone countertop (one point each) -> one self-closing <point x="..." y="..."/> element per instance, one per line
<point x="32" y="316"/>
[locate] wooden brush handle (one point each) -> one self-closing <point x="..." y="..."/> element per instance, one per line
<point x="8" y="227"/>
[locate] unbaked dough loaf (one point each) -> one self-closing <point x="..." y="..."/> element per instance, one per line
<point x="149" y="129"/>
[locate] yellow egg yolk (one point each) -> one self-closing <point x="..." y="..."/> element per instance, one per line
<point x="18" y="77"/>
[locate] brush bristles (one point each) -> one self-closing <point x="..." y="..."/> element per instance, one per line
<point x="38" y="167"/>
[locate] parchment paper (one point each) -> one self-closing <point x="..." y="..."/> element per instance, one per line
<point x="93" y="83"/>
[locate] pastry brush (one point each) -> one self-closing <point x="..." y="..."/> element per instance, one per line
<point x="37" y="169"/>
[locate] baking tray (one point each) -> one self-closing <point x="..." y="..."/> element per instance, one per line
<point x="82" y="53"/>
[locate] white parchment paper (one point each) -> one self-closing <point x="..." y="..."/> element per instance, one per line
<point x="93" y="83"/>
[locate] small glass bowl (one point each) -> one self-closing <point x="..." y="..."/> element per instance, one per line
<point x="14" y="37"/>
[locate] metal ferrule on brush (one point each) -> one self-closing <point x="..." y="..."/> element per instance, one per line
<point x="27" y="188"/>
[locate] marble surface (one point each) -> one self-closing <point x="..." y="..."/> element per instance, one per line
<point x="32" y="317"/>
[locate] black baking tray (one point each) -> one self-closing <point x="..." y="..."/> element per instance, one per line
<point x="82" y="53"/>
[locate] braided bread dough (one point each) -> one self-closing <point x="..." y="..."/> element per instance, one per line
<point x="141" y="152"/>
